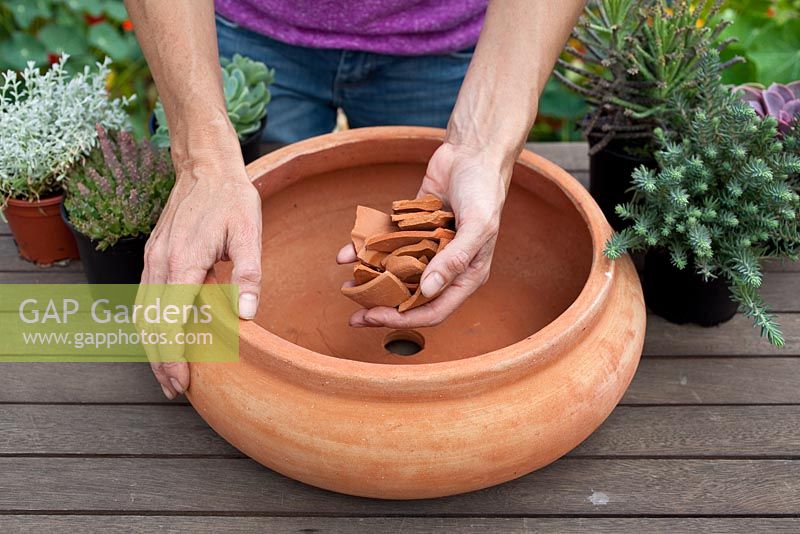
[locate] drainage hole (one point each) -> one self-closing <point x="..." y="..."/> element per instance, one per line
<point x="404" y="342"/>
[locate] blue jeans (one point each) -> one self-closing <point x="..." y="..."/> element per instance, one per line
<point x="372" y="89"/>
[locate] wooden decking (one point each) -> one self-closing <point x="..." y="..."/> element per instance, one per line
<point x="707" y="439"/>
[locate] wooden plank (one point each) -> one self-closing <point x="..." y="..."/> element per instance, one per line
<point x="53" y="275"/>
<point x="582" y="177"/>
<point x="4" y="229"/>
<point x="568" y="487"/>
<point x="133" y="524"/>
<point x="781" y="291"/>
<point x="107" y="430"/>
<point x="774" y="265"/>
<point x="569" y="156"/>
<point x="704" y="380"/>
<point x="697" y="431"/>
<point x="11" y="261"/>
<point x="659" y="431"/>
<point x="79" y="383"/>
<point x="737" y="337"/>
<point x="701" y="380"/>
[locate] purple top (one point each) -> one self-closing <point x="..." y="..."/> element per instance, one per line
<point x="403" y="27"/>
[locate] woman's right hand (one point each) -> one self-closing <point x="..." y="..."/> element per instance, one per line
<point x="213" y="214"/>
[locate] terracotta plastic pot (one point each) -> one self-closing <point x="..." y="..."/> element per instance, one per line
<point x="41" y="235"/>
<point x="523" y="372"/>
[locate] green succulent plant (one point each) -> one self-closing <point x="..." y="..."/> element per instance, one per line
<point x="723" y="196"/>
<point x="632" y="56"/>
<point x="246" y="86"/>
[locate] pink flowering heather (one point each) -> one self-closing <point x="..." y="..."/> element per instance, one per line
<point x="120" y="189"/>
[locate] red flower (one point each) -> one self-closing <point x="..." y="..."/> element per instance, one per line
<point x="53" y="58"/>
<point x="91" y="20"/>
<point x="127" y="25"/>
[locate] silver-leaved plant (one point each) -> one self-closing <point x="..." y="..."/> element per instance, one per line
<point x="47" y="124"/>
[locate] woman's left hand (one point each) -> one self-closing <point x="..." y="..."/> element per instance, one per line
<point x="474" y="186"/>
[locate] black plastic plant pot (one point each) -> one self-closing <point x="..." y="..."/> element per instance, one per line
<point x="251" y="146"/>
<point x="610" y="172"/>
<point x="682" y="296"/>
<point x="119" y="264"/>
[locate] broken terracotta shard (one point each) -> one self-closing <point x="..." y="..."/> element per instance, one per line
<point x="384" y="290"/>
<point x="372" y="258"/>
<point x="424" y="220"/>
<point x="369" y="222"/>
<point x="406" y="268"/>
<point x="363" y="273"/>
<point x="394" y="240"/>
<point x="424" y="249"/>
<point x="393" y="251"/>
<point x="426" y="203"/>
<point x="416" y="300"/>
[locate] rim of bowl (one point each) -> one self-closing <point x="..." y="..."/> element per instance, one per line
<point x="469" y="374"/>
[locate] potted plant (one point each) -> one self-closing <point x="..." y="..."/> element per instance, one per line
<point x="781" y="102"/>
<point x="113" y="201"/>
<point x="46" y="125"/>
<point x="721" y="199"/>
<point x="245" y="83"/>
<point x="629" y="58"/>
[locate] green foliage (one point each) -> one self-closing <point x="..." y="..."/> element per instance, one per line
<point x="87" y="30"/>
<point x="633" y="57"/>
<point x="47" y="124"/>
<point x="245" y="83"/>
<point x="768" y="32"/>
<point x="791" y="140"/>
<point x="120" y="190"/>
<point x="723" y="196"/>
<point x="559" y="110"/>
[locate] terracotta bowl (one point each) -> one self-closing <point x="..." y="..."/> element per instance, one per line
<point x="521" y="374"/>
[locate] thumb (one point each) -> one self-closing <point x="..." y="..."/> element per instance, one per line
<point x="453" y="261"/>
<point x="244" y="250"/>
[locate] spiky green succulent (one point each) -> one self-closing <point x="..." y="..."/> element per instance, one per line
<point x="632" y="56"/>
<point x="722" y="197"/>
<point x="246" y="86"/>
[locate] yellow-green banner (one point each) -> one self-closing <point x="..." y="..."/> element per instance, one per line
<point x="113" y="323"/>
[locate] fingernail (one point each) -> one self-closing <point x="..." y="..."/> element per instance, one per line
<point x="177" y="385"/>
<point x="248" y="305"/>
<point x="432" y="284"/>
<point x="167" y="393"/>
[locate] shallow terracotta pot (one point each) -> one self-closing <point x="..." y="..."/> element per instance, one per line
<point x="41" y="235"/>
<point x="522" y="373"/>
